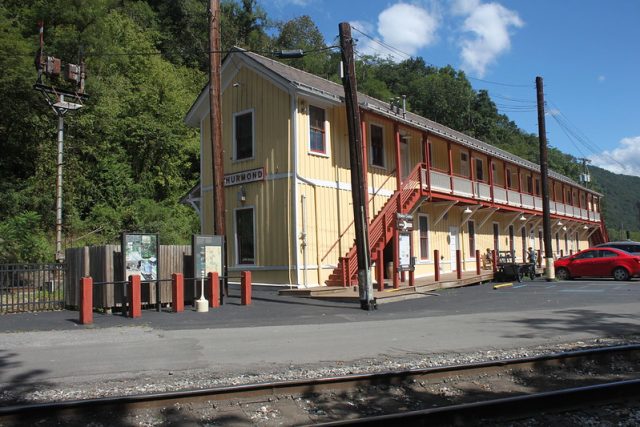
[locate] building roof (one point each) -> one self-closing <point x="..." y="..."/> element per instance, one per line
<point x="311" y="84"/>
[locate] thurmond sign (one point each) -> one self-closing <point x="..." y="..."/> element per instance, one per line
<point x="244" y="177"/>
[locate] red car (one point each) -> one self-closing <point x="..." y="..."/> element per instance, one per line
<point x="598" y="262"/>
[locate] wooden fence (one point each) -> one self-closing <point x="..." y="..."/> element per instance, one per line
<point x="104" y="265"/>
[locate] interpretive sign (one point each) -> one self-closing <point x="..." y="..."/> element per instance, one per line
<point x="207" y="255"/>
<point x="140" y="255"/>
<point x="404" y="243"/>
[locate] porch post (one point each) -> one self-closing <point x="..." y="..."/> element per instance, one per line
<point x="450" y="164"/>
<point x="380" y="270"/>
<point x="490" y="166"/>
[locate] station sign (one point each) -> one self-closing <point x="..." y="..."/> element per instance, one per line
<point x="244" y="177"/>
<point x="404" y="222"/>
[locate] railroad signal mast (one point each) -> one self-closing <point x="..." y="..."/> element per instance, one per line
<point x="62" y="98"/>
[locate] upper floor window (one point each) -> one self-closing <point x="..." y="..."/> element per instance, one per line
<point x="479" y="170"/>
<point x="243" y="135"/>
<point x="377" y="146"/>
<point x="317" y="141"/>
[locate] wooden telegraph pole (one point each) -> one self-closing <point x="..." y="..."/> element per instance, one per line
<point x="546" y="213"/>
<point x="215" y="120"/>
<point x="358" y="189"/>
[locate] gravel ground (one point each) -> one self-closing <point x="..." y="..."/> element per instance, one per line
<point x="296" y="410"/>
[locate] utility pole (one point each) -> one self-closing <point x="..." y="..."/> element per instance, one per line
<point x="215" y="121"/>
<point x="51" y="67"/>
<point x="358" y="190"/>
<point x="546" y="213"/>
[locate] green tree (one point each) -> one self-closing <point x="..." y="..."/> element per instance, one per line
<point x="22" y="239"/>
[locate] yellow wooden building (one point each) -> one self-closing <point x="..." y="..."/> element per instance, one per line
<point x="289" y="217"/>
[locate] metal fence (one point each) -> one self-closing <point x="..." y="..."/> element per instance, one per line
<point x="31" y="287"/>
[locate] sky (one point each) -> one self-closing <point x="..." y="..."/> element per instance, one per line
<point x="586" y="51"/>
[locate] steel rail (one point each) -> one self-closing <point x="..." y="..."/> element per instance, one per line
<point x="50" y="409"/>
<point x="508" y="408"/>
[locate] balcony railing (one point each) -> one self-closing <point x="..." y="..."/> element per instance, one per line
<point x="464" y="187"/>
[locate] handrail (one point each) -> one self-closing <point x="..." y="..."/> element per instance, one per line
<point x="375" y="193"/>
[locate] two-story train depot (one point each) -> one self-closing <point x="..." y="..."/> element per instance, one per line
<point x="288" y="192"/>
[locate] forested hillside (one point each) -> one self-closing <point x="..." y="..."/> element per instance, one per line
<point x="129" y="158"/>
<point x="621" y="202"/>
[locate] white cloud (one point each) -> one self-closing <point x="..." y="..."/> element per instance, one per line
<point x="601" y="78"/>
<point x="624" y="159"/>
<point x="300" y="3"/>
<point x="405" y="27"/>
<point x="488" y="25"/>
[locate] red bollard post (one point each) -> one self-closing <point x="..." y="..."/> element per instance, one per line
<point x="245" y="288"/>
<point x="135" y="301"/>
<point x="214" y="289"/>
<point x="477" y="262"/>
<point x="380" y="270"/>
<point x="458" y="264"/>
<point x="86" y="301"/>
<point x="436" y="264"/>
<point x="177" y="292"/>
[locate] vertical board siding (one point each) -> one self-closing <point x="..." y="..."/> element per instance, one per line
<point x="105" y="267"/>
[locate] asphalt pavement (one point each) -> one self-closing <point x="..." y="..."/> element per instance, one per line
<point x="276" y="330"/>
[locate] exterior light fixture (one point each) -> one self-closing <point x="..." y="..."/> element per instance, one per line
<point x="560" y="223"/>
<point x="466" y="210"/>
<point x="523" y="218"/>
<point x="564" y="228"/>
<point x="585" y="227"/>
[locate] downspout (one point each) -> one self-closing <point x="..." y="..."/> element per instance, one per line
<point x="315" y="212"/>
<point x="303" y="237"/>
<point x="294" y="143"/>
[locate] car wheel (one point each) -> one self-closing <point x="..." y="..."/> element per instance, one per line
<point x="563" y="274"/>
<point x="620" y="273"/>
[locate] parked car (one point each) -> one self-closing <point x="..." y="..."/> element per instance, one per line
<point x="598" y="262"/>
<point x="626" y="245"/>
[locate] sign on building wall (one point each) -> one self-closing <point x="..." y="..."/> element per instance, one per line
<point x="207" y="255"/>
<point x="404" y="243"/>
<point x="140" y="254"/>
<point x="244" y="177"/>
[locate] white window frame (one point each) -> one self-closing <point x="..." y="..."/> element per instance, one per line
<point x="235" y="235"/>
<point x="253" y="135"/>
<point x="327" y="129"/>
<point x="384" y="154"/>
<point x="428" y="257"/>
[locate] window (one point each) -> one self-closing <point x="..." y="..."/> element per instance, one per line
<point x="243" y="135"/>
<point x="537" y="186"/>
<point x="507" y="173"/>
<point x="479" y="170"/>
<point x="245" y="236"/>
<point x="603" y="253"/>
<point x="316" y="124"/>
<point x="529" y="184"/>
<point x="377" y="146"/>
<point x="471" y="228"/>
<point x="423" y="223"/>
<point x="512" y="248"/>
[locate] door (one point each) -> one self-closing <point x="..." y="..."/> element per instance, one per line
<point x="404" y="157"/>
<point x="453" y="246"/>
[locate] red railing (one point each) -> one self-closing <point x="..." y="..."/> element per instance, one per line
<point x="402" y="198"/>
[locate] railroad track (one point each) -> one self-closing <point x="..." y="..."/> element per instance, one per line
<point x="507" y="404"/>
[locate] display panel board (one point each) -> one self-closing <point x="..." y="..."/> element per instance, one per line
<point x="140" y="255"/>
<point x="207" y="255"/>
<point x="404" y="243"/>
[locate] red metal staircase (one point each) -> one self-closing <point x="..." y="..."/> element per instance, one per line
<point x="381" y="228"/>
